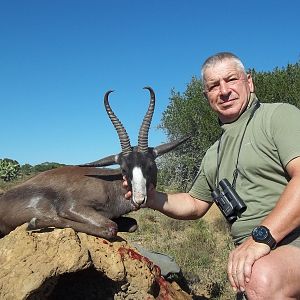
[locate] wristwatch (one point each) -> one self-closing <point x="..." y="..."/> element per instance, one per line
<point x="261" y="234"/>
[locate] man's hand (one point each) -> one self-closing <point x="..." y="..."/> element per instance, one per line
<point x="128" y="193"/>
<point x="241" y="261"/>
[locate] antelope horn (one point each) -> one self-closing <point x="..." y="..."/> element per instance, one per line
<point x="123" y="136"/>
<point x="103" y="162"/>
<point x="162" y="149"/>
<point x="143" y="134"/>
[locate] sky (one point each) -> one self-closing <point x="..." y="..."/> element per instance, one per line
<point x="59" y="57"/>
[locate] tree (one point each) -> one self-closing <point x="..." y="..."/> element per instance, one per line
<point x="26" y="169"/>
<point x="279" y="85"/>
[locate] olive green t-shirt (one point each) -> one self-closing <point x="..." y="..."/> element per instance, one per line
<point x="271" y="141"/>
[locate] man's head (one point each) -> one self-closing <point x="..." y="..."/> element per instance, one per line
<point x="227" y="86"/>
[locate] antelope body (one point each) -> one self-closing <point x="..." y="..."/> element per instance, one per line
<point x="88" y="198"/>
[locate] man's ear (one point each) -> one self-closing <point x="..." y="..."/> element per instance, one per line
<point x="250" y="82"/>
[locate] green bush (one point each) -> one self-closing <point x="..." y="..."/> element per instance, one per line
<point x="45" y="166"/>
<point x="26" y="169"/>
<point x="9" y="169"/>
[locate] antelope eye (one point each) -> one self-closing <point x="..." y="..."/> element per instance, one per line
<point x="149" y="168"/>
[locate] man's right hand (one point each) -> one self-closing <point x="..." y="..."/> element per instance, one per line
<point x="128" y="192"/>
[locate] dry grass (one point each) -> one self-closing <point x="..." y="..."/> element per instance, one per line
<point x="200" y="248"/>
<point x="4" y="186"/>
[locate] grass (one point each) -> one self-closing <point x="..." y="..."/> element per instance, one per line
<point x="200" y="248"/>
<point x="4" y="186"/>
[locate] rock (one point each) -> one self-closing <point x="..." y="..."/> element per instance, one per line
<point x="63" y="264"/>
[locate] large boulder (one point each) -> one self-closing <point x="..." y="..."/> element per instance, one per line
<point x="63" y="264"/>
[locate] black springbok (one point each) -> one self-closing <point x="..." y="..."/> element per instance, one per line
<point x="88" y="198"/>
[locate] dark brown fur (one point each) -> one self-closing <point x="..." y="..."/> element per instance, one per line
<point x="89" y="200"/>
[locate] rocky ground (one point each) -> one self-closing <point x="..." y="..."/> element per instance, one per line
<point x="63" y="264"/>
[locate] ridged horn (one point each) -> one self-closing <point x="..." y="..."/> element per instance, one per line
<point x="123" y="136"/>
<point x="143" y="134"/>
<point x="103" y="162"/>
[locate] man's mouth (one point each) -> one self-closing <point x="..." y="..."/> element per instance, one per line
<point x="227" y="102"/>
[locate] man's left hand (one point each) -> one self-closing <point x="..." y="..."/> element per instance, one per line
<point x="241" y="260"/>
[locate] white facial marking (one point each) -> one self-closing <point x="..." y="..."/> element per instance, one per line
<point x="139" y="191"/>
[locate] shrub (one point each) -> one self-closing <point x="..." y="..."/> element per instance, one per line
<point x="9" y="169"/>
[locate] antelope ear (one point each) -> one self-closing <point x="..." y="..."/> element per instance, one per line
<point x="164" y="148"/>
<point x="103" y="162"/>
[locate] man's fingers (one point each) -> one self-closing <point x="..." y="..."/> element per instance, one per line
<point x="248" y="268"/>
<point x="230" y="272"/>
<point x="128" y="195"/>
<point x="240" y="274"/>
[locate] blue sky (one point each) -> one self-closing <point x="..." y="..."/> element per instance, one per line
<point x="59" y="57"/>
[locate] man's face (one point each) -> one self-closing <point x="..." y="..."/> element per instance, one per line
<point x="227" y="89"/>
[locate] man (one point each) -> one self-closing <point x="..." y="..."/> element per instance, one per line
<point x="259" y="153"/>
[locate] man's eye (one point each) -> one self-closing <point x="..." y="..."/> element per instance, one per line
<point x="232" y="79"/>
<point x="213" y="87"/>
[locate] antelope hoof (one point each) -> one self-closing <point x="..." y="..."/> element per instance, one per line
<point x="32" y="224"/>
<point x="126" y="224"/>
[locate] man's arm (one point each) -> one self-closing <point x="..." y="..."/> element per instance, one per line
<point x="179" y="206"/>
<point x="285" y="216"/>
<point x="283" y="219"/>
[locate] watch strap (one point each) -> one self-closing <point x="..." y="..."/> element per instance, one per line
<point x="271" y="242"/>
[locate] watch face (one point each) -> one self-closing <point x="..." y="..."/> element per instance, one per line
<point x="260" y="233"/>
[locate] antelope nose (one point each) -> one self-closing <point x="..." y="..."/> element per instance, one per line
<point x="139" y="198"/>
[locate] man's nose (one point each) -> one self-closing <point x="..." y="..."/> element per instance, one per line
<point x="224" y="88"/>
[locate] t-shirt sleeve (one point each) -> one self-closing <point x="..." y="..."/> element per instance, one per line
<point x="285" y="129"/>
<point x="200" y="188"/>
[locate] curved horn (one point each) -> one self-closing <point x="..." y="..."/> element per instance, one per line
<point x="162" y="149"/>
<point x="143" y="134"/>
<point x="123" y="136"/>
<point x="103" y="162"/>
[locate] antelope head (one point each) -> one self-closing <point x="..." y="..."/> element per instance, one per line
<point x="137" y="163"/>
